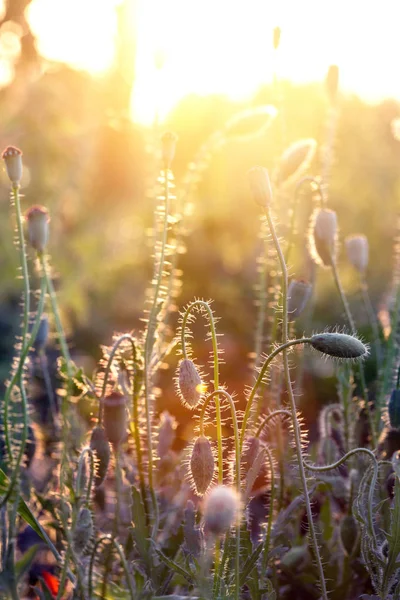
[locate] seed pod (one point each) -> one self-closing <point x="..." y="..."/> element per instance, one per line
<point x="394" y="409"/>
<point x="202" y="464"/>
<point x="221" y="508"/>
<point x="323" y="236"/>
<point x="332" y="82"/>
<point x="83" y="531"/>
<point x="299" y="293"/>
<point x="13" y="160"/>
<point x="37" y="220"/>
<point x="357" y="249"/>
<point x="349" y="534"/>
<point x="168" y="141"/>
<point x="339" y="345"/>
<point x="166" y="433"/>
<point x="260" y="186"/>
<point x="114" y="418"/>
<point x="189" y="383"/>
<point x="101" y="448"/>
<point x="295" y="160"/>
<point x="276" y="37"/>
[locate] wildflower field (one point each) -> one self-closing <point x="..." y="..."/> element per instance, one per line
<point x="199" y="338"/>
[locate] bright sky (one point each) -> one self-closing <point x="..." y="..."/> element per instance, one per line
<point x="225" y="45"/>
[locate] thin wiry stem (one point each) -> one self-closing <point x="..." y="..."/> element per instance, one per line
<point x="118" y="548"/>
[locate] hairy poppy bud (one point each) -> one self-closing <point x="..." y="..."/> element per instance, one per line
<point x="394" y="409"/>
<point x="295" y="160"/>
<point x="189" y="383"/>
<point x="114" y="418"/>
<point x="260" y="186"/>
<point x="168" y="141"/>
<point x="101" y="448"/>
<point x="37" y="220"/>
<point x="332" y="82"/>
<point x="357" y="252"/>
<point x="276" y="37"/>
<point x="323" y="236"/>
<point x="221" y="509"/>
<point x="202" y="464"/>
<point x="349" y="533"/>
<point x="339" y="345"/>
<point x="83" y="531"/>
<point x="13" y="160"/>
<point x="299" y="293"/>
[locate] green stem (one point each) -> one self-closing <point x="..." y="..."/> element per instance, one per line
<point x="118" y="490"/>
<point x="271" y="507"/>
<point x="269" y="417"/>
<point x="296" y="427"/>
<point x="79" y="477"/>
<point x="118" y="548"/>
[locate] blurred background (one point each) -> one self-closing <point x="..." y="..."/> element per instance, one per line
<point x="88" y="86"/>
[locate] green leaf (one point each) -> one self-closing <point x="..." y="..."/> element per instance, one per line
<point x="393" y="539"/>
<point x="173" y="565"/>
<point x="250" y="564"/>
<point x="139" y="529"/>
<point x="22" y="566"/>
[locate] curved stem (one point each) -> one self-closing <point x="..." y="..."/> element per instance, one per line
<point x="118" y="548"/>
<point x="271" y="506"/>
<point x="269" y="417"/>
<point x="296" y="427"/>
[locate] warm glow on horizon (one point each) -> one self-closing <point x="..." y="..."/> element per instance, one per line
<point x="225" y="47"/>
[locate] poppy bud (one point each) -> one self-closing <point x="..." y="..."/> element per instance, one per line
<point x="299" y="293"/>
<point x="13" y="160"/>
<point x="339" y="345"/>
<point x="37" y="220"/>
<point x="357" y="252"/>
<point x="323" y="236"/>
<point x="83" y="531"/>
<point x="189" y="383"/>
<point x="101" y="448"/>
<point x="202" y="464"/>
<point x="221" y="509"/>
<point x="295" y="160"/>
<point x="114" y="418"/>
<point x="260" y="186"/>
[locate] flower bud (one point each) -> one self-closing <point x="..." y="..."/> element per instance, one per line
<point x="295" y="160"/>
<point x="357" y="249"/>
<point x="168" y="141"/>
<point x="276" y="37"/>
<point x="221" y="509"/>
<point x="202" y="464"/>
<point x="166" y="433"/>
<point x="37" y="220"/>
<point x="349" y="534"/>
<point x="394" y="409"/>
<point x="332" y="82"/>
<point x="260" y="186"/>
<point x="324" y="236"/>
<point x="299" y="293"/>
<point x="83" y="531"/>
<point x="13" y="160"/>
<point x="339" y="345"/>
<point x="189" y="383"/>
<point x="101" y="448"/>
<point x="114" y="418"/>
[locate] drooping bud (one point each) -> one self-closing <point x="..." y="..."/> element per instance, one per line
<point x="13" y="160"/>
<point x="295" y="160"/>
<point x="202" y="464"/>
<point x="37" y="220"/>
<point x="276" y="37"/>
<point x="221" y="509"/>
<point x="332" y="82"/>
<point x="394" y="409"/>
<point x="101" y="448"/>
<point x="189" y="383"/>
<point x="349" y="534"/>
<point x="260" y="186"/>
<point x="114" y="418"/>
<point x="323" y="236"/>
<point x="168" y="141"/>
<point x="339" y="345"/>
<point x="250" y="123"/>
<point x="299" y="293"/>
<point x="83" y="531"/>
<point x="357" y="249"/>
<point x="166" y="433"/>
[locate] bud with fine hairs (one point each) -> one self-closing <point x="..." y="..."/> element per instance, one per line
<point x="276" y="37"/>
<point x="295" y="160"/>
<point x="168" y="141"/>
<point x="323" y="236"/>
<point x="114" y="418"/>
<point x="260" y="186"/>
<point x="83" y="531"/>
<point x="12" y="157"/>
<point x="189" y="382"/>
<point x="221" y="509"/>
<point x="339" y="345"/>
<point x="357" y="249"/>
<point x="332" y="82"/>
<point x="299" y="293"/>
<point x="101" y="449"/>
<point x="202" y="464"/>
<point x="37" y="226"/>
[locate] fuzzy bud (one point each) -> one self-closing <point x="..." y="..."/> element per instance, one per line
<point x="114" y="418"/>
<point x="299" y="293"/>
<point x="166" y="433"/>
<point x="168" y="141"/>
<point x="202" y="464"/>
<point x="295" y="160"/>
<point x="276" y="37"/>
<point x="339" y="345"/>
<point x="349" y="533"/>
<point x="357" y="249"/>
<point x="332" y="82"/>
<point x="394" y="409"/>
<point x="37" y="220"/>
<point x="101" y="448"/>
<point x="324" y="236"/>
<point x="13" y="160"/>
<point x="83" y="531"/>
<point x="260" y="186"/>
<point x="189" y="383"/>
<point x="221" y="508"/>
